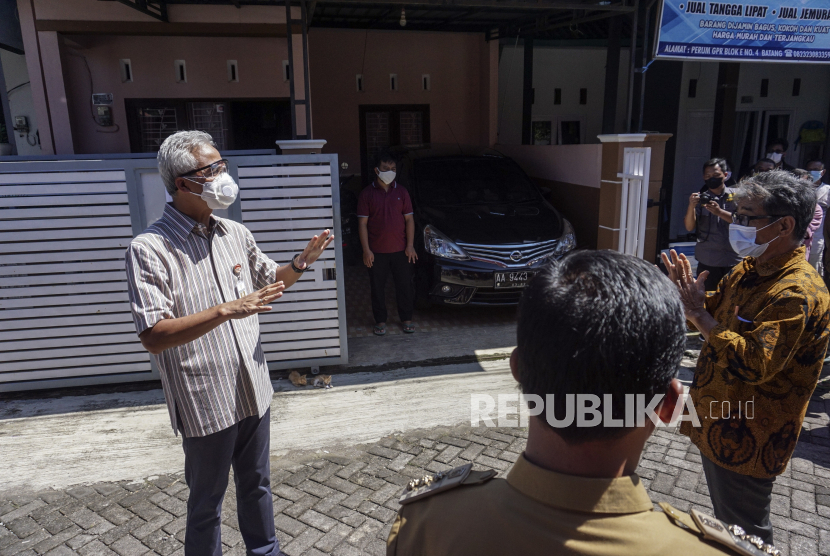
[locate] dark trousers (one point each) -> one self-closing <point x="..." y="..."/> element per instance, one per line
<point x="716" y="274"/>
<point x="401" y="270"/>
<point x="207" y="462"/>
<point x="740" y="499"/>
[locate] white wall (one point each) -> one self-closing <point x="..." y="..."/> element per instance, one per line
<point x="569" y="69"/>
<point x="20" y="100"/>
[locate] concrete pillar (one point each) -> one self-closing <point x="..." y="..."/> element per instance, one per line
<point x="32" y="48"/>
<point x="489" y="92"/>
<point x="52" y="64"/>
<point x="527" y="93"/>
<point x="43" y="60"/>
<point x="612" y="76"/>
<point x="610" y="198"/>
<point x="726" y="99"/>
<point x="299" y="76"/>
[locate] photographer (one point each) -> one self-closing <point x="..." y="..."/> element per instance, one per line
<point x="709" y="214"/>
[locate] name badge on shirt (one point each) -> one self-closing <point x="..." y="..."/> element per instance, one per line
<point x="241" y="290"/>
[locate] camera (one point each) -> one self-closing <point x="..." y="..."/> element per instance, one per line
<point x="706" y="198"/>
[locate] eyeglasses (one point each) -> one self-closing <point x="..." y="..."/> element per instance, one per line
<point x="744" y="220"/>
<point x="211" y="170"/>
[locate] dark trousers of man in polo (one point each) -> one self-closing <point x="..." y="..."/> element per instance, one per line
<point x="208" y="460"/>
<point x="400" y="268"/>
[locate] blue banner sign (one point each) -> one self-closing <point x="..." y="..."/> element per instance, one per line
<point x="758" y="30"/>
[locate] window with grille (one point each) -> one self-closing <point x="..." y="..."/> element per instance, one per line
<point x="210" y="117"/>
<point x="157" y="124"/>
<point x="390" y="125"/>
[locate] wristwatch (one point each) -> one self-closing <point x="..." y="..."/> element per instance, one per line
<point x="295" y="268"/>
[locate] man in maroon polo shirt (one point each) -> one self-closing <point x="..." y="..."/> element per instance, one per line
<point x="387" y="233"/>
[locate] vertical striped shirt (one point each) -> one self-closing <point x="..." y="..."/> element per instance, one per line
<point x="176" y="268"/>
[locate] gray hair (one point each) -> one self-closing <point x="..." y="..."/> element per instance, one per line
<point x="176" y="155"/>
<point x="782" y="194"/>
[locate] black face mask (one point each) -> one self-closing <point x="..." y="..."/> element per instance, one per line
<point x="714" y="183"/>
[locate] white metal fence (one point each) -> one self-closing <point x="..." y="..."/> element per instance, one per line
<point x="64" y="227"/>
<point x="284" y="206"/>
<point x="634" y="201"/>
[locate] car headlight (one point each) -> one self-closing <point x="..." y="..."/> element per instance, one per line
<point x="567" y="242"/>
<point x="441" y="246"/>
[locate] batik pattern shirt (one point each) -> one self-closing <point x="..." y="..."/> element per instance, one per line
<point x="178" y="267"/>
<point x="757" y="371"/>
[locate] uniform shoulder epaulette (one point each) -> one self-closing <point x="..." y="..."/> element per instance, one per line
<point x="713" y="529"/>
<point x="444" y="480"/>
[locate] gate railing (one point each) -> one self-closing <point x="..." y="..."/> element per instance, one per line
<point x="64" y="228"/>
<point x="634" y="200"/>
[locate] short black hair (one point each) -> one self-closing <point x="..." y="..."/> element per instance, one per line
<point x="383" y="156"/>
<point x="816" y="160"/>
<point x="780" y="141"/>
<point x="719" y="162"/>
<point x="599" y="322"/>
<point x="782" y="194"/>
<point x="767" y="160"/>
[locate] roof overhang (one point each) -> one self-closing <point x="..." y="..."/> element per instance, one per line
<point x="546" y="19"/>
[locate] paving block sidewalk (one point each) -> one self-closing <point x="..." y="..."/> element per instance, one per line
<point x="343" y="502"/>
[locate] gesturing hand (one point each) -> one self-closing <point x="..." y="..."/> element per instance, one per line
<point x="254" y="303"/>
<point x="314" y="249"/>
<point x="692" y="292"/>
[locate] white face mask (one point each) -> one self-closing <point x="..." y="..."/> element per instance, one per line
<point x="386" y="177"/>
<point x="816" y="175"/>
<point x="220" y="193"/>
<point x="742" y="240"/>
<point x="775" y="157"/>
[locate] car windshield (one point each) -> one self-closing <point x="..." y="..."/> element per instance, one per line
<point x="472" y="181"/>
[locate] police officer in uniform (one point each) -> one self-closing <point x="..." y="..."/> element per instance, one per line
<point x="597" y="323"/>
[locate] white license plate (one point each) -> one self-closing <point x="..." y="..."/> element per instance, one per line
<point x="512" y="279"/>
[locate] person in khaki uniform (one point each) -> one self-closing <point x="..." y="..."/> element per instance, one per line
<point x="596" y="322"/>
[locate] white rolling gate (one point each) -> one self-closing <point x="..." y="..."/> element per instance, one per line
<point x="284" y="206"/>
<point x="634" y="200"/>
<point x="64" y="227"/>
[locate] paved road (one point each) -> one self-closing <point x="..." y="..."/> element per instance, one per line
<point x="342" y="500"/>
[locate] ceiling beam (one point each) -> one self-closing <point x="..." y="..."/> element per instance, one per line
<point x="524" y="27"/>
<point x="156" y="9"/>
<point x="148" y="28"/>
<point x="512" y="5"/>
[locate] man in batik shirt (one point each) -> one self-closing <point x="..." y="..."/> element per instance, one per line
<point x="766" y="332"/>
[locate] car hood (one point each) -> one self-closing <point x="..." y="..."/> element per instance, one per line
<point x="495" y="224"/>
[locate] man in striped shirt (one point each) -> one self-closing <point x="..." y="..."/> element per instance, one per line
<point x="196" y="284"/>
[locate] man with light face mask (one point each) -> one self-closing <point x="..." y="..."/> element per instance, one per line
<point x="777" y="152"/>
<point x="767" y="328"/>
<point x="386" y="226"/>
<point x="196" y="284"/>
